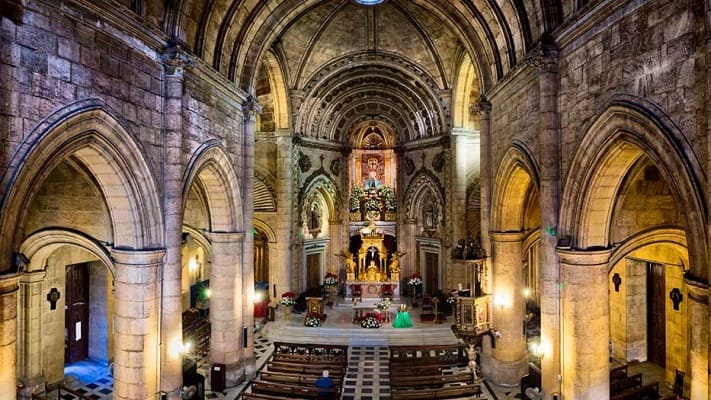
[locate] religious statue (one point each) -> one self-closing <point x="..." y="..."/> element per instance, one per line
<point x="430" y="216"/>
<point x="471" y="354"/>
<point x="315" y="217"/>
<point x="395" y="265"/>
<point x="350" y="264"/>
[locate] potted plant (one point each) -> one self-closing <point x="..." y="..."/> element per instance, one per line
<point x="415" y="282"/>
<point x="354" y="202"/>
<point x="390" y="205"/>
<point x="312" y="320"/>
<point x="288" y="299"/>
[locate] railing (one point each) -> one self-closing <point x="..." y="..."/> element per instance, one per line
<point x="73" y="392"/>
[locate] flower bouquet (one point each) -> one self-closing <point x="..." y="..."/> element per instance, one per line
<point x="330" y="280"/>
<point x="370" y="321"/>
<point x="415" y="280"/>
<point x="312" y="320"/>
<point x="451" y="300"/>
<point x="384" y="305"/>
<point x="288" y="299"/>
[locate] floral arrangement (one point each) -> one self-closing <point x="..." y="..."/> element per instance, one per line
<point x="354" y="202"/>
<point x="451" y="300"/>
<point x="370" y="320"/>
<point x="415" y="280"/>
<point x="312" y="320"/>
<point x="384" y="305"/>
<point x="330" y="280"/>
<point x="288" y="299"/>
<point x="388" y="198"/>
<point x="372" y="204"/>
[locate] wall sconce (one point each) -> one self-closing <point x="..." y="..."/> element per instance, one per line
<point x="256" y="297"/>
<point x="193" y="264"/>
<point x="501" y="301"/>
<point x="617" y="281"/>
<point x="537" y="351"/>
<point x="526" y="292"/>
<point x="208" y="293"/>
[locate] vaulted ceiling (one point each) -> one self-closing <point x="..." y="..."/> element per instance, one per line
<point x="341" y="62"/>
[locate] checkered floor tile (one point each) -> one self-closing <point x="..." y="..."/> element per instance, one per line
<point x="368" y="375"/>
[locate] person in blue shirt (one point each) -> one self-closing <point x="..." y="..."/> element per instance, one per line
<point x="324" y="382"/>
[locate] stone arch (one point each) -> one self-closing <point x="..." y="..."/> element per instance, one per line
<point x="277" y="83"/>
<point x="517" y="175"/>
<point x="320" y="182"/>
<point x="114" y="158"/>
<point x="38" y="246"/>
<point x="200" y="238"/>
<point x="422" y="185"/>
<point x="466" y="86"/>
<point x="622" y="134"/>
<point x="266" y="229"/>
<point x="671" y="236"/>
<point x="211" y="166"/>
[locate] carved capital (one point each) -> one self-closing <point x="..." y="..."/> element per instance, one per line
<point x="251" y="108"/>
<point x="482" y="107"/>
<point x="176" y="59"/>
<point x="544" y="57"/>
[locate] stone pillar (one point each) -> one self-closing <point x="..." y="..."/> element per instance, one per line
<point x="464" y="146"/>
<point x="29" y="357"/>
<point x="280" y="272"/>
<point x="509" y="356"/>
<point x="8" y="335"/>
<point x="251" y="108"/>
<point x="136" y="353"/>
<point x="549" y="185"/>
<point x="699" y="338"/>
<point x="175" y="61"/>
<point x="585" y="325"/>
<point x="226" y="304"/>
<point x="484" y="110"/>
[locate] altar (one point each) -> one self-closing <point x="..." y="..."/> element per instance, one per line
<point x="372" y="291"/>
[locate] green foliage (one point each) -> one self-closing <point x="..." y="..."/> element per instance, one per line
<point x="389" y="198"/>
<point x="354" y="202"/>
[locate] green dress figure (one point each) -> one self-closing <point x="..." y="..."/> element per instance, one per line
<point x="403" y="318"/>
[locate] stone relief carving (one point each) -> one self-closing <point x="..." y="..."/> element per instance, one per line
<point x="438" y="162"/>
<point x="304" y="162"/>
<point x="335" y="166"/>
<point x="409" y="166"/>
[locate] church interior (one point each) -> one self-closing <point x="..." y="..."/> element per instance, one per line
<point x="475" y="198"/>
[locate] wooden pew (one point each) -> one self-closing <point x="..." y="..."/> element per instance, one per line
<point x="296" y="379"/>
<point x="622" y="385"/>
<point x="405" y="381"/>
<point x="618" y="372"/>
<point x="649" y="391"/>
<point x="415" y="370"/>
<point x="310" y="359"/>
<point x="261" y="396"/>
<point x="431" y="394"/>
<point x="439" y="355"/>
<point x="311" y="369"/>
<point x="292" y="391"/>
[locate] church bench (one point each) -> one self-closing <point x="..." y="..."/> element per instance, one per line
<point x="402" y="382"/>
<point x="618" y="372"/>
<point x="443" y="355"/>
<point x="291" y="391"/>
<point x="311" y="349"/>
<point x="415" y="370"/>
<point x="649" y="391"/>
<point x="443" y="393"/>
<point x="310" y="359"/>
<point x="262" y="396"/>
<point x="285" y="377"/>
<point x="311" y="369"/>
<point x="621" y="385"/>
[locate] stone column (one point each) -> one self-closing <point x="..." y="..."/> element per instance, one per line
<point x="585" y="325"/>
<point x="549" y="155"/>
<point x="464" y="146"/>
<point x="251" y="108"/>
<point x="29" y="357"/>
<point x="175" y="61"/>
<point x="509" y="356"/>
<point x="226" y="304"/>
<point x="699" y="338"/>
<point x="484" y="110"/>
<point x="8" y="335"/>
<point x="280" y="272"/>
<point x="136" y="353"/>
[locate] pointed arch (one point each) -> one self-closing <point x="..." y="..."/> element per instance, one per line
<point x="624" y="132"/>
<point x="278" y="87"/>
<point x="423" y="184"/>
<point x="88" y="132"/>
<point x="466" y="91"/>
<point x="672" y="236"/>
<point x="41" y="244"/>
<point x="266" y="229"/>
<point x="320" y="182"/>
<point x="517" y="175"/>
<point x="211" y="166"/>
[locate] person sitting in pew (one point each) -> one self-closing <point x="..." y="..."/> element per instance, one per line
<point x="324" y="382"/>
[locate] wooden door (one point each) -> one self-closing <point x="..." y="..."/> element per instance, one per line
<point x="656" y="316"/>
<point x="76" y="317"/>
<point x="313" y="270"/>
<point x="431" y="273"/>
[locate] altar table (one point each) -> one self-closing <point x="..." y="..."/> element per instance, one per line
<point x="372" y="290"/>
